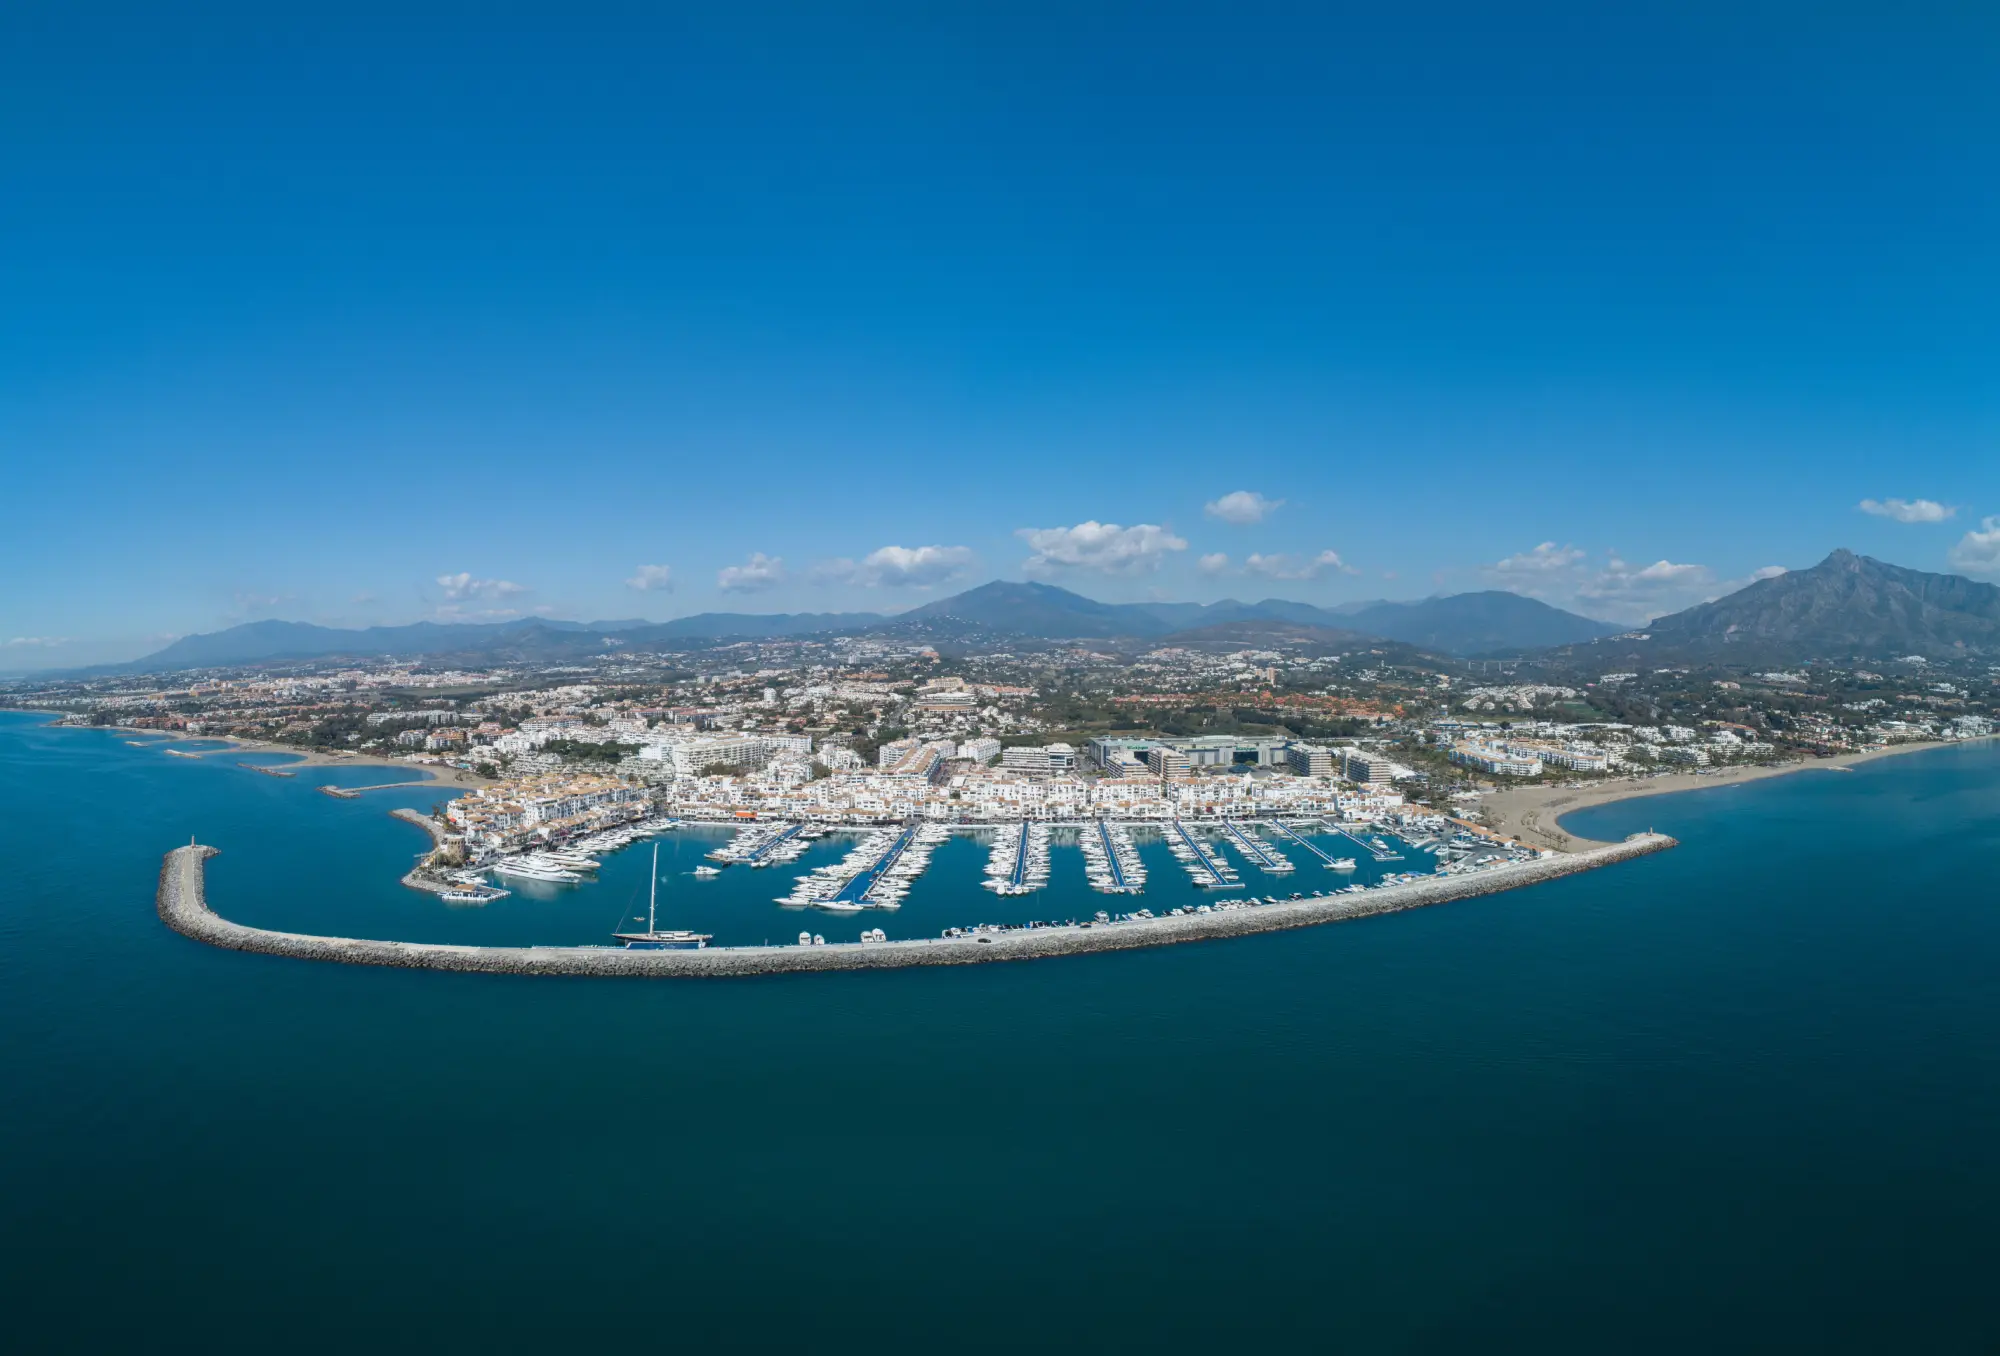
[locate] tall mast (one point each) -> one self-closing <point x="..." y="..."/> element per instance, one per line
<point x="653" y="900"/>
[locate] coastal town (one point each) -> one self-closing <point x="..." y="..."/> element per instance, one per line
<point x="550" y="764"/>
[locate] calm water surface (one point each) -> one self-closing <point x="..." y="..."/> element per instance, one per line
<point x="1739" y="1096"/>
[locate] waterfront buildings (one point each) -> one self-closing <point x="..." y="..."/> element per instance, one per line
<point x="1497" y="760"/>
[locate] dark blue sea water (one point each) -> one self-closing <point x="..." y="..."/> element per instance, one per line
<point x="1740" y="1096"/>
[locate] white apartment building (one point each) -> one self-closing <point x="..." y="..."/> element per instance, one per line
<point x="1500" y="762"/>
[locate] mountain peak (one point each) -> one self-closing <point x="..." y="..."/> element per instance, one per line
<point x="1848" y="604"/>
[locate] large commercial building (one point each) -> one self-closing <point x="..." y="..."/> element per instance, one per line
<point x="1202" y="751"/>
<point x="1370" y="769"/>
<point x="1310" y="761"/>
<point x="1046" y="760"/>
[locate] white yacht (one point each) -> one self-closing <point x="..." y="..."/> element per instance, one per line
<point x="528" y="869"/>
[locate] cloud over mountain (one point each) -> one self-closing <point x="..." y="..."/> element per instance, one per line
<point x="1105" y="548"/>
<point x="755" y="575"/>
<point x="919" y="567"/>
<point x="1907" y="510"/>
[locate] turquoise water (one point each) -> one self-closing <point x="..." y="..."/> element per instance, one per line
<point x="1737" y="1096"/>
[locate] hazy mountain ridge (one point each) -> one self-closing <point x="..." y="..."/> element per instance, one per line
<point x="1462" y="624"/>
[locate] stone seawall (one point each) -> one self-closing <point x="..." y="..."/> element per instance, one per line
<point x="422" y="821"/>
<point x="184" y="908"/>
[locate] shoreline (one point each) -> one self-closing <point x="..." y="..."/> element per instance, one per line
<point x="1533" y="814"/>
<point x="182" y="904"/>
<point x="438" y="774"/>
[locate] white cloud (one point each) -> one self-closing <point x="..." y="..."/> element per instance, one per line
<point x="247" y="602"/>
<point x="1978" y="551"/>
<point x="1619" y="591"/>
<point x="452" y="612"/>
<point x="1548" y="558"/>
<point x="1213" y="564"/>
<point x="652" y="579"/>
<point x="1907" y="510"/>
<point x="1767" y="572"/>
<point x="1298" y="567"/>
<point x="37" y="642"/>
<point x="755" y="575"/>
<point x="918" y="567"/>
<point x="1104" y="547"/>
<point x="462" y="585"/>
<point x="1242" y="507"/>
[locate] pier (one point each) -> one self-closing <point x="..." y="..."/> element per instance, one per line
<point x="1377" y="853"/>
<point x="1255" y="849"/>
<point x="1111" y="857"/>
<point x="1218" y="878"/>
<point x="1020" y="871"/>
<point x="1298" y="839"/>
<point x="184" y="908"/>
<point x="856" y="890"/>
<point x="757" y="857"/>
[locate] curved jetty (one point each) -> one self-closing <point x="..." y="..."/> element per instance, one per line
<point x="184" y="909"/>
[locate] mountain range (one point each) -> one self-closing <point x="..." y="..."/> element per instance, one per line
<point x="1467" y="623"/>
<point x="1847" y="605"/>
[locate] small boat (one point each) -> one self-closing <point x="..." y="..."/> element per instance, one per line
<point x="708" y="871"/>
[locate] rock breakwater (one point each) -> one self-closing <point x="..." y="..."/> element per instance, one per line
<point x="183" y="907"/>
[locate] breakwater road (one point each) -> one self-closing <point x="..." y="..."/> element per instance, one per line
<point x="184" y="908"/>
<point x="422" y="821"/>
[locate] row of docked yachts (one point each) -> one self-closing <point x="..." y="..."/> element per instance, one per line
<point x="1256" y="850"/>
<point x="1019" y="863"/>
<point x="1209" y="870"/>
<point x="1110" y="860"/>
<point x="757" y="844"/>
<point x="572" y="863"/>
<point x="875" y="874"/>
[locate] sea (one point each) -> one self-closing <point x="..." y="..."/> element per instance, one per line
<point x="1739" y="1096"/>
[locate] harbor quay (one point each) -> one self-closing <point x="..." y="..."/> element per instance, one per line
<point x="183" y="906"/>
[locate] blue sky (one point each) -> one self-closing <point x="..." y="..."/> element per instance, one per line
<point x="360" y="316"/>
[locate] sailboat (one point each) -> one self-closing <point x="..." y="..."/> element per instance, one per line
<point x="652" y="939"/>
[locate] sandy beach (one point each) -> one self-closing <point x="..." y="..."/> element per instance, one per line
<point x="448" y="776"/>
<point x="303" y="758"/>
<point x="1533" y="814"/>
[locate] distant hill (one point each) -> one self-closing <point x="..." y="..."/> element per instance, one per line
<point x="1462" y="624"/>
<point x="1845" y="605"/>
<point x="1488" y="622"/>
<point x="530" y="639"/>
<point x="1261" y="634"/>
<point x="1473" y="623"/>
<point x="1042" y="611"/>
<point x="752" y="625"/>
